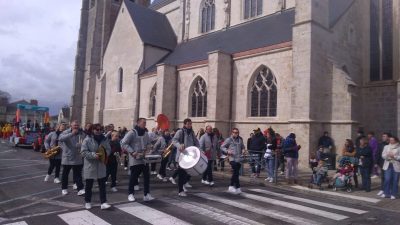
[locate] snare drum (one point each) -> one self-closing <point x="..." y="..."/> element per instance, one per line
<point x="152" y="158"/>
<point x="193" y="161"/>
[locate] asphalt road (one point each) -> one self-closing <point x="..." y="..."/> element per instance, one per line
<point x="26" y="199"/>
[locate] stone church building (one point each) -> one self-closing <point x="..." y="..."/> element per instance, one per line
<point x="302" y="66"/>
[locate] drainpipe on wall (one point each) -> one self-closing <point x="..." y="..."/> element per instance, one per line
<point x="231" y="100"/>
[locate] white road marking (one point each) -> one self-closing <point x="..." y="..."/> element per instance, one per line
<point x="18" y="180"/>
<point x="150" y="215"/>
<point x="327" y="205"/>
<point x="211" y="212"/>
<point x="83" y="217"/>
<point x="317" y="212"/>
<point x="27" y="196"/>
<point x="288" y="218"/>
<point x="365" y="199"/>
<point x="17" y="223"/>
<point x="24" y="160"/>
<point x="8" y="151"/>
<point x="21" y="175"/>
<point x="52" y="201"/>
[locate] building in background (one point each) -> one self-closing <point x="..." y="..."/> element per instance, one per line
<point x="298" y="66"/>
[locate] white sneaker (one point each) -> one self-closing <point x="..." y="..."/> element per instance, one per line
<point x="374" y="176"/>
<point x="114" y="189"/>
<point x="182" y="194"/>
<point x="136" y="188"/>
<point x="131" y="198"/>
<point x="46" y="178"/>
<point x="267" y="179"/>
<point x="148" y="198"/>
<point x="187" y="185"/>
<point x="155" y="173"/>
<point x="88" y="205"/>
<point x="125" y="168"/>
<point x="81" y="192"/>
<point x="392" y="197"/>
<point x="212" y="183"/>
<point x="383" y="195"/>
<point x="74" y="187"/>
<point x="165" y="179"/>
<point x="105" y="205"/>
<point x="271" y="180"/>
<point x="238" y="191"/>
<point x="282" y="173"/>
<point x="232" y="189"/>
<point x="380" y="193"/>
<point x="56" y="180"/>
<point x="184" y="189"/>
<point x="159" y="176"/>
<point x="172" y="180"/>
<point x="204" y="182"/>
<point x="64" y="191"/>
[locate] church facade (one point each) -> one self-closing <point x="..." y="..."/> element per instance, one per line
<point x="302" y="66"/>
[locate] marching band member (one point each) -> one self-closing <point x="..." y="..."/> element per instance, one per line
<point x="159" y="147"/>
<point x="112" y="163"/>
<point x="94" y="168"/>
<point x="153" y="136"/>
<point x="208" y="144"/>
<point x="184" y="138"/>
<point x="70" y="142"/>
<point x="136" y="142"/>
<point x="50" y="142"/>
<point x="233" y="146"/>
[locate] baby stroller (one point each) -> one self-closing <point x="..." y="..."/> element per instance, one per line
<point x="320" y="174"/>
<point x="344" y="176"/>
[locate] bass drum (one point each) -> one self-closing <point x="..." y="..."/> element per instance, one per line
<point x="193" y="161"/>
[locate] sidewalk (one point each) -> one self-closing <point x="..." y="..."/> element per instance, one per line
<point x="304" y="180"/>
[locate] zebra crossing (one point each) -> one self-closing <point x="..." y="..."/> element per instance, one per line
<point x="254" y="206"/>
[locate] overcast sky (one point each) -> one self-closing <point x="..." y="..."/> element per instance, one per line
<point x="38" y="41"/>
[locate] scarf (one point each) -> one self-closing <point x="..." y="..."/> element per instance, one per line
<point x="98" y="138"/>
<point x="140" y="131"/>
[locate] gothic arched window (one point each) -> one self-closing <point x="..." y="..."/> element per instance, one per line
<point x="207" y="15"/>
<point x="199" y="98"/>
<point x="120" y="79"/>
<point x="252" y="8"/>
<point x="153" y="95"/>
<point x="263" y="94"/>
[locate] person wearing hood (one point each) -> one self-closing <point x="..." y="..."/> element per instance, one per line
<point x="50" y="142"/>
<point x="291" y="151"/>
<point x="184" y="138"/>
<point x="257" y="147"/>
<point x="391" y="155"/>
<point x="137" y="142"/>
<point x="159" y="147"/>
<point x="94" y="168"/>
<point x="209" y="144"/>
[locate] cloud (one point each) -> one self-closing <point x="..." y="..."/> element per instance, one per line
<point x="38" y="49"/>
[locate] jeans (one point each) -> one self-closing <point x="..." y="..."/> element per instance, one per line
<point x="54" y="163"/>
<point x="235" y="175"/>
<point x="208" y="174"/>
<point x="255" y="164"/>
<point x="77" y="176"/>
<point x="136" y="170"/>
<point x="163" y="166"/>
<point x="102" y="190"/>
<point x="291" y="170"/>
<point x="112" y="167"/>
<point x="183" y="178"/>
<point x="271" y="167"/>
<point x="382" y="179"/>
<point x="366" y="178"/>
<point x="391" y="185"/>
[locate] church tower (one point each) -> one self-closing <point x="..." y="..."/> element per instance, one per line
<point x="97" y="21"/>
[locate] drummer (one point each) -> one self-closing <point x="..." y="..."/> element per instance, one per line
<point x="159" y="147"/>
<point x="184" y="138"/>
<point x="209" y="144"/>
<point x="136" y="142"/>
<point x="233" y="146"/>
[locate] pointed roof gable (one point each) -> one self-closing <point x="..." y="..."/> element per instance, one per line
<point x="153" y="27"/>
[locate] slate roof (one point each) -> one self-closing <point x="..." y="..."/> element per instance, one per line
<point x="266" y="31"/>
<point x="153" y="27"/>
<point x="156" y="4"/>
